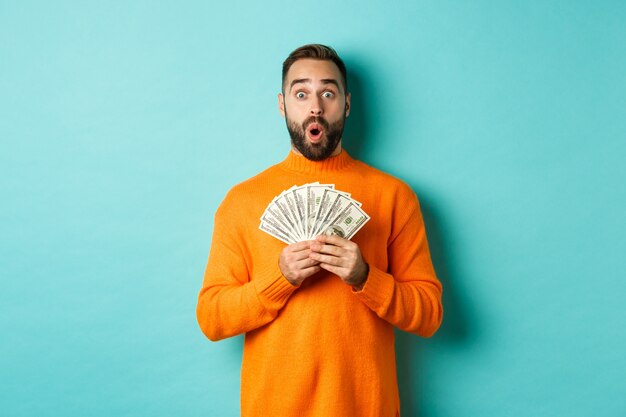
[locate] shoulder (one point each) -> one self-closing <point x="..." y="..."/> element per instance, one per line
<point x="387" y="196"/>
<point x="384" y="182"/>
<point x="252" y="184"/>
<point x="247" y="193"/>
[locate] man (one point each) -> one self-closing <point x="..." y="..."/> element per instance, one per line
<point x="318" y="315"/>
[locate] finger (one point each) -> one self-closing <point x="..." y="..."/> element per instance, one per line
<point x="299" y="246"/>
<point x="291" y="257"/>
<point x="303" y="264"/>
<point x="328" y="249"/>
<point x="334" y="240"/>
<point x="337" y="270"/>
<point x="328" y="259"/>
<point x="311" y="270"/>
<point x="307" y="272"/>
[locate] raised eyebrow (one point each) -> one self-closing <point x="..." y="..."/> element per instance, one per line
<point x="330" y="81"/>
<point x="308" y="80"/>
<point x="298" y="81"/>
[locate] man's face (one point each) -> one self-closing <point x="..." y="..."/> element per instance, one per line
<point x="315" y="107"/>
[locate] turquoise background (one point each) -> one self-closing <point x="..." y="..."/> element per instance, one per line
<point x="123" y="124"/>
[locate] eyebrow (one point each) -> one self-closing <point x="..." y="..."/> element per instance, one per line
<point x="308" y="80"/>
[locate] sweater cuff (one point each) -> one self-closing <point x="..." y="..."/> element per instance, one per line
<point x="377" y="291"/>
<point x="272" y="288"/>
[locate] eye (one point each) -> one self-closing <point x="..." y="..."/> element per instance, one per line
<point x="300" y="94"/>
<point x="328" y="94"/>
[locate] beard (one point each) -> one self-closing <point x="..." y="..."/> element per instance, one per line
<point x="315" y="151"/>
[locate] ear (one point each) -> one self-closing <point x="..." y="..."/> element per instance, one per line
<point x="281" y="104"/>
<point x="348" y="104"/>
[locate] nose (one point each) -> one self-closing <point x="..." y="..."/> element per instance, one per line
<point x="316" y="107"/>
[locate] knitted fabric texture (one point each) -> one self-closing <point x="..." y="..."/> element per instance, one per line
<point x="322" y="348"/>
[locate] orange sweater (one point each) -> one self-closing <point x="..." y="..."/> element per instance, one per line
<point x="320" y="349"/>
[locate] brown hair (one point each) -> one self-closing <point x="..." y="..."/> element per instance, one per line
<point x="316" y="51"/>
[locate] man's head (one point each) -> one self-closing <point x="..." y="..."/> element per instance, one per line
<point x="319" y="52"/>
<point x="314" y="100"/>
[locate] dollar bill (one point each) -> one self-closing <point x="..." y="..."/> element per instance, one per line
<point x="275" y="233"/>
<point x="314" y="194"/>
<point x="303" y="212"/>
<point x="274" y="221"/>
<point x="349" y="221"/>
<point x="339" y="202"/>
<point x="297" y="195"/>
<point x="284" y="206"/>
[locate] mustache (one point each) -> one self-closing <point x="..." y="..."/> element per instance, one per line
<point x="316" y="119"/>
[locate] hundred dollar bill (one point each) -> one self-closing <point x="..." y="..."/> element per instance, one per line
<point x="303" y="212"/>
<point x="339" y="202"/>
<point x="298" y="195"/>
<point x="314" y="194"/>
<point x="273" y="218"/>
<point x="273" y="211"/>
<point x="284" y="208"/>
<point x="289" y="198"/>
<point x="325" y="200"/>
<point x="351" y="219"/>
<point x="267" y="228"/>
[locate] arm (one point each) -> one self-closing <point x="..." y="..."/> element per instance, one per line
<point x="408" y="295"/>
<point x="231" y="301"/>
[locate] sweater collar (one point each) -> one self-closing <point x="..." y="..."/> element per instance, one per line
<point x="300" y="164"/>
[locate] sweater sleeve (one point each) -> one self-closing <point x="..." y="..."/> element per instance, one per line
<point x="408" y="295"/>
<point x="232" y="301"/>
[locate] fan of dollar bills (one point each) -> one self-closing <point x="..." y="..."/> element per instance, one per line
<point x="303" y="212"/>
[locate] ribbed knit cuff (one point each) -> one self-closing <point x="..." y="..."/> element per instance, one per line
<point x="377" y="291"/>
<point x="272" y="288"/>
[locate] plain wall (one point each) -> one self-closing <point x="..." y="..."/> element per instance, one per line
<point x="123" y="124"/>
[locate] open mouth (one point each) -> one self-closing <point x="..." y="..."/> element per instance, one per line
<point x="315" y="131"/>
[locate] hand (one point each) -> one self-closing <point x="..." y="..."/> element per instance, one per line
<point x="295" y="263"/>
<point x="342" y="257"/>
